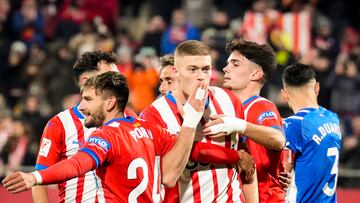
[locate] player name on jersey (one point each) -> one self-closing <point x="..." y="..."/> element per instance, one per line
<point x="326" y="129"/>
<point x="141" y="132"/>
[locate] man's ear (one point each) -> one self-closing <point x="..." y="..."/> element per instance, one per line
<point x="110" y="103"/>
<point x="317" y="88"/>
<point x="284" y="95"/>
<point x="82" y="81"/>
<point x="257" y="74"/>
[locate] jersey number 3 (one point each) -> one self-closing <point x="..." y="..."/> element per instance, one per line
<point x="131" y="174"/>
<point x="333" y="151"/>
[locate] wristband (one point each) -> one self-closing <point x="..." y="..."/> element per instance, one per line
<point x="38" y="178"/>
<point x="191" y="116"/>
<point x="230" y="125"/>
<point x="234" y="124"/>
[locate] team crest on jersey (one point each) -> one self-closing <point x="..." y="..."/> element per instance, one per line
<point x="266" y="115"/>
<point x="100" y="142"/>
<point x="45" y="147"/>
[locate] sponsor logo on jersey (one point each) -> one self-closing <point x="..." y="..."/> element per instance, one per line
<point x="100" y="142"/>
<point x="266" y="115"/>
<point x="45" y="147"/>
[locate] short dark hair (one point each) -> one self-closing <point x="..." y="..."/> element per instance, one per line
<point x="89" y="62"/>
<point x="110" y="84"/>
<point x="262" y="55"/>
<point x="298" y="75"/>
<point x="166" y="60"/>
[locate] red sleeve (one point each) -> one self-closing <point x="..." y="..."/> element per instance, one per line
<point x="210" y="153"/>
<point x="165" y="139"/>
<point x="98" y="146"/>
<point x="51" y="144"/>
<point x="265" y="113"/>
<point x="77" y="165"/>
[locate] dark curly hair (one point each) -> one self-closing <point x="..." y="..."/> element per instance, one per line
<point x="262" y="55"/>
<point x="89" y="62"/>
<point x="110" y="84"/>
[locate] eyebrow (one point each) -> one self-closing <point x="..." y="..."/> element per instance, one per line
<point x="194" y="66"/>
<point x="234" y="60"/>
<point x="86" y="97"/>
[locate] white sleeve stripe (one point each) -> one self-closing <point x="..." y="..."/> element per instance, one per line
<point x="296" y="117"/>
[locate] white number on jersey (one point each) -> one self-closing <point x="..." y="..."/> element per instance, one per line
<point x="131" y="174"/>
<point x="333" y="151"/>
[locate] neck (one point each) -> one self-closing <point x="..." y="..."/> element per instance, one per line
<point x="302" y="100"/>
<point x="180" y="96"/>
<point x="247" y="92"/>
<point x="112" y="115"/>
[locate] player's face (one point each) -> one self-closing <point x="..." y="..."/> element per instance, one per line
<point x="91" y="106"/>
<point x="239" y="71"/>
<point x="168" y="79"/>
<point x="192" y="69"/>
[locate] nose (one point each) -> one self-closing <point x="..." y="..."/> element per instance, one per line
<point x="162" y="88"/>
<point x="226" y="69"/>
<point x="201" y="75"/>
<point x="81" y="106"/>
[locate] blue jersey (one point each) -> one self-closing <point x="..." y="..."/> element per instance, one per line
<point x="314" y="136"/>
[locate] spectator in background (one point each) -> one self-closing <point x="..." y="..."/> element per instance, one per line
<point x="28" y="23"/>
<point x="85" y="40"/>
<point x="13" y="80"/>
<point x="351" y="146"/>
<point x="198" y="12"/>
<point x="168" y="74"/>
<point x="345" y="82"/>
<point x="14" y="150"/>
<point x="32" y="116"/>
<point x="154" y="31"/>
<point x="216" y="36"/>
<point x="59" y="75"/>
<point x="4" y="37"/>
<point x="323" y="66"/>
<point x="178" y="31"/>
<point x="142" y="79"/>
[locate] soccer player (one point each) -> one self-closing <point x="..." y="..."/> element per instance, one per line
<point x="202" y="182"/>
<point x="249" y="68"/>
<point x="313" y="137"/>
<point x="65" y="133"/>
<point x="132" y="156"/>
<point x="168" y="74"/>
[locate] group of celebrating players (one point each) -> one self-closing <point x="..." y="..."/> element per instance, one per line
<point x="195" y="143"/>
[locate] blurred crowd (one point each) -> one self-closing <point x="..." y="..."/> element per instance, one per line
<point x="40" y="40"/>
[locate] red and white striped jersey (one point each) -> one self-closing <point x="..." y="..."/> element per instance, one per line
<point x="261" y="111"/>
<point x="202" y="182"/>
<point x="63" y="135"/>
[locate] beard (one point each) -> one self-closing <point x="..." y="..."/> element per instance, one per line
<point x="96" y="119"/>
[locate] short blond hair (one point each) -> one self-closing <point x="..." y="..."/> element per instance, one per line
<point x="192" y="48"/>
<point x="166" y="60"/>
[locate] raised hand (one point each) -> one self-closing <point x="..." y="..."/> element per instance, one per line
<point x="19" y="182"/>
<point x="195" y="105"/>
